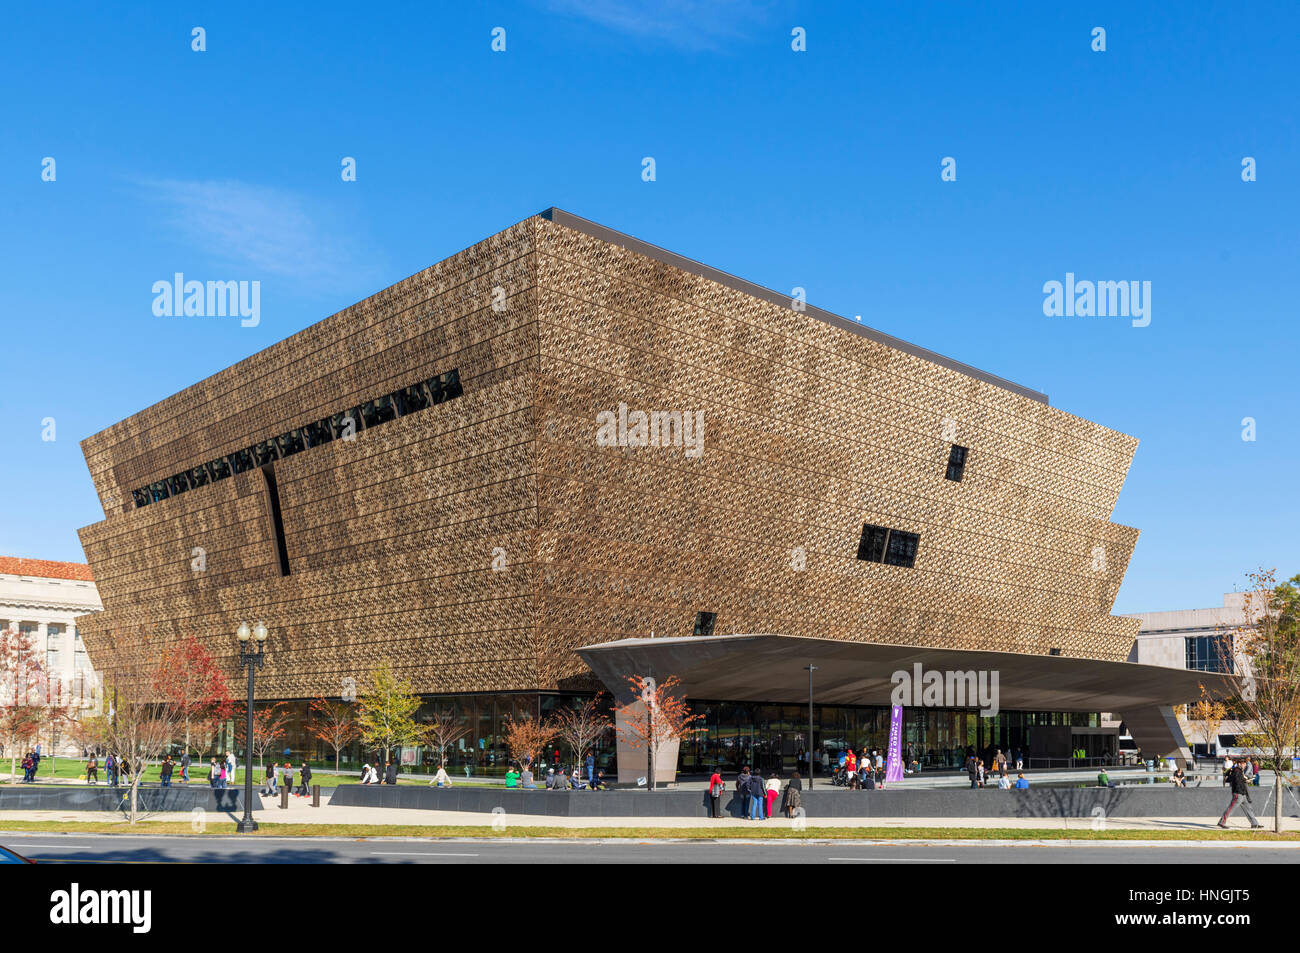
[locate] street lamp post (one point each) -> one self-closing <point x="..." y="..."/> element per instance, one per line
<point x="810" y="669"/>
<point x="253" y="661"/>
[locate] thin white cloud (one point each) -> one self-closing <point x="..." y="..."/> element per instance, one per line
<point x="271" y="230"/>
<point x="689" y="24"/>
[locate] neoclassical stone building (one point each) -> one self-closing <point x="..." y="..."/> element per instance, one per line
<point x="43" y="600"/>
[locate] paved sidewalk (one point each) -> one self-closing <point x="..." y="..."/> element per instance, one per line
<point x="300" y="811"/>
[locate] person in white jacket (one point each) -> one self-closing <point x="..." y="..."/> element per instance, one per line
<point x="441" y="779"/>
<point x="368" y="774"/>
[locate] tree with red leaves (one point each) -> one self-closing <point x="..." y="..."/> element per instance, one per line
<point x="333" y="724"/>
<point x="190" y="681"/>
<point x="269" y="725"/>
<point x="657" y="715"/>
<point x="20" y="693"/>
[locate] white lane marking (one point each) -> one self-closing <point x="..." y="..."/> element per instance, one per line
<point x="57" y="846"/>
<point x="899" y="860"/>
<point x="415" y="853"/>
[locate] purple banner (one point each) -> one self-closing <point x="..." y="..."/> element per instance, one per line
<point x="894" y="767"/>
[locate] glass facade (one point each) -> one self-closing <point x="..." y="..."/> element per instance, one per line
<point x="767" y="736"/>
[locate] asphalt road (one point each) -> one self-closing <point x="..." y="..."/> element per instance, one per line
<point x="122" y="849"/>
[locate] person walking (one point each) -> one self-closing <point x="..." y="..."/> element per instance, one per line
<point x="716" y="787"/>
<point x="271" y="789"/>
<point x="287" y="774"/>
<point x="231" y="766"/>
<point x="972" y="769"/>
<point x="591" y="767"/>
<point x="304" y="779"/>
<point x="92" y="770"/>
<point x="1240" y="789"/>
<point x="110" y="770"/>
<point x="185" y="767"/>
<point x="441" y="779"/>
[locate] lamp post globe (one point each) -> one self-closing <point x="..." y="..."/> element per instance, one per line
<point x="251" y="659"/>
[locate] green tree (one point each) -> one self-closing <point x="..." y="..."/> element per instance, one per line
<point x="1266" y="648"/>
<point x="385" y="713"/>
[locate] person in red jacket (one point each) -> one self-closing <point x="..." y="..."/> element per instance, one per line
<point x="716" y="787"/>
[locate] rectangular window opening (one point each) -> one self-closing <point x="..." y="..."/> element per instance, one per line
<point x="956" y="463"/>
<point x="704" y="622"/>
<point x="277" y="522"/>
<point x="408" y="400"/>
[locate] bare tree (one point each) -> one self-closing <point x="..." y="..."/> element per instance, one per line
<point x="581" y="727"/>
<point x="140" y="728"/>
<point x="443" y="730"/>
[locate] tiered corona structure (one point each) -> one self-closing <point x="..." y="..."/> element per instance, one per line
<point x="420" y="478"/>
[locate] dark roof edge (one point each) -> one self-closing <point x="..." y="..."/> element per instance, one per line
<point x="577" y="223"/>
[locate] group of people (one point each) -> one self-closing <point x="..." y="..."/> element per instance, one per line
<point x="865" y="773"/>
<point x="520" y="775"/>
<point x="116" y="770"/>
<point x="278" y="776"/>
<point x="756" y="795"/>
<point x="372" y="775"/>
<point x="980" y="776"/>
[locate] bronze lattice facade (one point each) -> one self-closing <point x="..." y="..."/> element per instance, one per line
<point x="478" y="539"/>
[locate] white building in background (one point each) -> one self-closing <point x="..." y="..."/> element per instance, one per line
<point x="1199" y="640"/>
<point x="42" y="600"/>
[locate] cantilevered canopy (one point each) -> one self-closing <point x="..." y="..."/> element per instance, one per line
<point x="771" y="668"/>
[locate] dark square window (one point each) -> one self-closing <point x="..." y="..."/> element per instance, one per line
<point x="219" y="469"/>
<point x="901" y="550"/>
<point x="264" y="453"/>
<point x="318" y="433"/>
<point x="872" y="545"/>
<point x="378" y="411"/>
<point x="241" y="461"/>
<point x="956" y="463"/>
<point x="451" y="384"/>
<point x="341" y="423"/>
<point x="704" y="622"/>
<point x="141" y="497"/>
<point x="290" y="443"/>
<point x="411" y="399"/>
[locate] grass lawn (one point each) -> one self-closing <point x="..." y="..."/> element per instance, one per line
<point x="651" y="833"/>
<point x="70" y="769"/>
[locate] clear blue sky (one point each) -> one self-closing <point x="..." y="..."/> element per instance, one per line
<point x="818" y="169"/>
